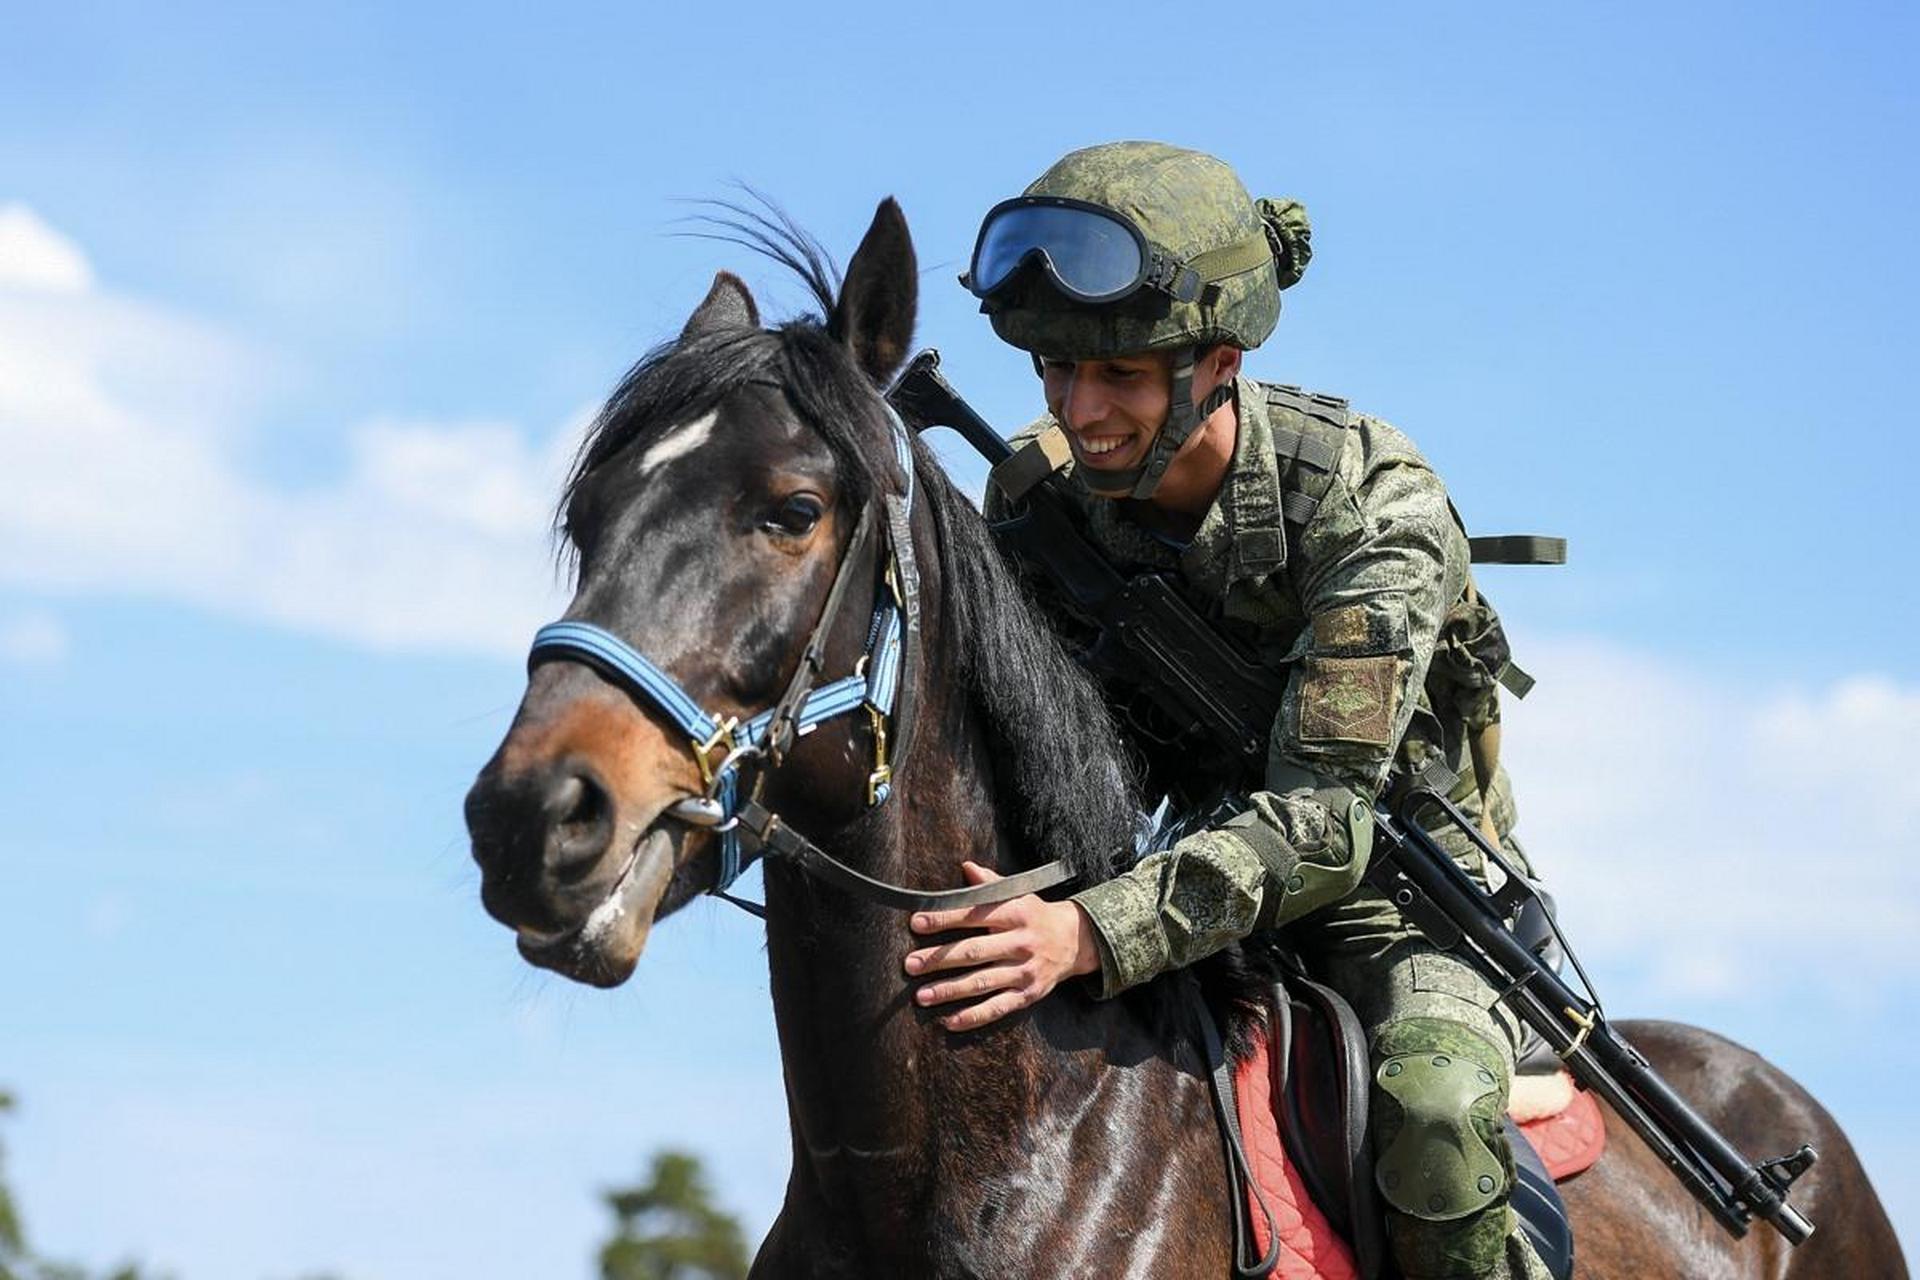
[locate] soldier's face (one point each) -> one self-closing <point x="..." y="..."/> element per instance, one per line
<point x="1112" y="409"/>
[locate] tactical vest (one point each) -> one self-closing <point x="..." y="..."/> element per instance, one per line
<point x="1309" y="434"/>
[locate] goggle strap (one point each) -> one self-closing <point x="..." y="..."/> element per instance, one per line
<point x="1183" y="279"/>
<point x="1232" y="259"/>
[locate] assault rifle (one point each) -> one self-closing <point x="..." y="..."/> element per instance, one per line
<point x="1146" y="637"/>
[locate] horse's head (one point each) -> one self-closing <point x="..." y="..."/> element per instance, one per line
<point x="709" y="514"/>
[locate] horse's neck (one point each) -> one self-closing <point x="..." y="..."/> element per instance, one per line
<point x="877" y="1089"/>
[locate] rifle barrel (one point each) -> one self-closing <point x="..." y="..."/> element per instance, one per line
<point x="1604" y="1061"/>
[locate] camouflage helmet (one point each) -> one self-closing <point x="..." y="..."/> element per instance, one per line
<point x="1191" y="208"/>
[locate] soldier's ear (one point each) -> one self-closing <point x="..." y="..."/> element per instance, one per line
<point x="1224" y="361"/>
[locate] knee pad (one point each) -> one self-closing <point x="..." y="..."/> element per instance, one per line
<point x="1437" y="1134"/>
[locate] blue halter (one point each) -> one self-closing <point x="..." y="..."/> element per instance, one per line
<point x="874" y="684"/>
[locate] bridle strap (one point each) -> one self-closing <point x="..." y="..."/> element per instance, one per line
<point x="777" y="839"/>
<point x="786" y="712"/>
<point x="906" y="567"/>
<point x="599" y="648"/>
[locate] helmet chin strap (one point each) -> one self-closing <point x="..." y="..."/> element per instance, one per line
<point x="1183" y="415"/>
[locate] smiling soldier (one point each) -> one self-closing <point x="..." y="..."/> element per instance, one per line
<point x="1137" y="274"/>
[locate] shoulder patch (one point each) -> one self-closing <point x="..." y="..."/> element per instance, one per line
<point x="1342" y="628"/>
<point x="1365" y="628"/>
<point x="1349" y="700"/>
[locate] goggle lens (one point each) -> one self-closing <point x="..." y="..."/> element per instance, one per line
<point x="1091" y="255"/>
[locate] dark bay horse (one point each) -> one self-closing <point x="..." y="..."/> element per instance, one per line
<point x="710" y="511"/>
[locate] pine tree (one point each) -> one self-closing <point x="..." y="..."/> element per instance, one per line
<point x="13" y="1242"/>
<point x="667" y="1228"/>
<point x="16" y="1263"/>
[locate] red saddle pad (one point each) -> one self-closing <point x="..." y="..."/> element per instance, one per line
<point x="1571" y="1139"/>
<point x="1310" y="1249"/>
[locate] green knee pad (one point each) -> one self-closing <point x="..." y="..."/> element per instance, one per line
<point x="1442" y="1164"/>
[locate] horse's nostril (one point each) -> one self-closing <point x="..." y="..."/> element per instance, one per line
<point x="579" y="817"/>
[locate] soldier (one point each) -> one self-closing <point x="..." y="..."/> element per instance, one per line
<point x="1137" y="274"/>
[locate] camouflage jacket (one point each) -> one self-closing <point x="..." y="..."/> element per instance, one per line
<point x="1367" y="603"/>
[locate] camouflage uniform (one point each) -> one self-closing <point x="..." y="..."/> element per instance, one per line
<point x="1367" y="604"/>
<point x="1364" y="597"/>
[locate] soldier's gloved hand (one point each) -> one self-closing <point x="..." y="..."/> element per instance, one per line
<point x="1026" y="947"/>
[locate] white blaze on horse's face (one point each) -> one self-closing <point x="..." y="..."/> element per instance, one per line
<point x="711" y="549"/>
<point x="709" y="546"/>
<point x="678" y="442"/>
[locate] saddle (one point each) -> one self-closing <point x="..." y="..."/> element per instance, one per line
<point x="1302" y="1101"/>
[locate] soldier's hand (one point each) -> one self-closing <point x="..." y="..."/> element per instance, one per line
<point x="1025" y="948"/>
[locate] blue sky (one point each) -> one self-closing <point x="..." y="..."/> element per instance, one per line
<point x="300" y="315"/>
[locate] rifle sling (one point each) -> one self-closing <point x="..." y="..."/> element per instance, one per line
<point x="1039" y="458"/>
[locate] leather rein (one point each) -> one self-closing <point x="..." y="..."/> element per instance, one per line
<point x="724" y="748"/>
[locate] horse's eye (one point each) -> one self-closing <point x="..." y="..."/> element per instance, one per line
<point x="796" y="516"/>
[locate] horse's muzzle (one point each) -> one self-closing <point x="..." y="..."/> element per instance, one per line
<point x="562" y="869"/>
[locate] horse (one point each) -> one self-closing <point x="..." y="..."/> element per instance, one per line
<point x="722" y="503"/>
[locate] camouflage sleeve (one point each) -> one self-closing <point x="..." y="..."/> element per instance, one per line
<point x="1382" y="563"/>
<point x="1378" y="566"/>
<point x="1280" y="859"/>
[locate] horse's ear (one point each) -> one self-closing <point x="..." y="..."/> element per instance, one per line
<point x="875" y="313"/>
<point x="728" y="305"/>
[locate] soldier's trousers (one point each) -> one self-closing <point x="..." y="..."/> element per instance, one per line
<point x="1420" y="1006"/>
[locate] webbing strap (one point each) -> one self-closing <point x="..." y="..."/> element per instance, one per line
<point x="1033" y="462"/>
<point x="1321" y="455"/>
<point x="1518" y="548"/>
<point x="894" y="664"/>
<point x="883" y="673"/>
<point x="822" y="704"/>
<point x="1331" y="410"/>
<point x="1240" y="1179"/>
<point x="782" y="725"/>
<point x="611" y="653"/>
<point x="1514" y="680"/>
<point x="1298" y="507"/>
<point x="1232" y="259"/>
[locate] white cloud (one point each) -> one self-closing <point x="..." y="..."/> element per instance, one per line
<point x="33" y="639"/>
<point x="123" y="429"/>
<point x="33" y="256"/>
<point x="1713" y="837"/>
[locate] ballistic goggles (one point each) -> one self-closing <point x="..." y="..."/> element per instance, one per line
<point x="1093" y="255"/>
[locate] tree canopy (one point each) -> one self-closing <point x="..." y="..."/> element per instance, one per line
<point x="667" y="1227"/>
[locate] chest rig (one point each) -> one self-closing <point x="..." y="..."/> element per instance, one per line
<point x="1149" y="636"/>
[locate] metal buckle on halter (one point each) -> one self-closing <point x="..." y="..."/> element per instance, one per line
<point x="882" y="771"/>
<point x="892" y="580"/>
<point x="703" y="751"/>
